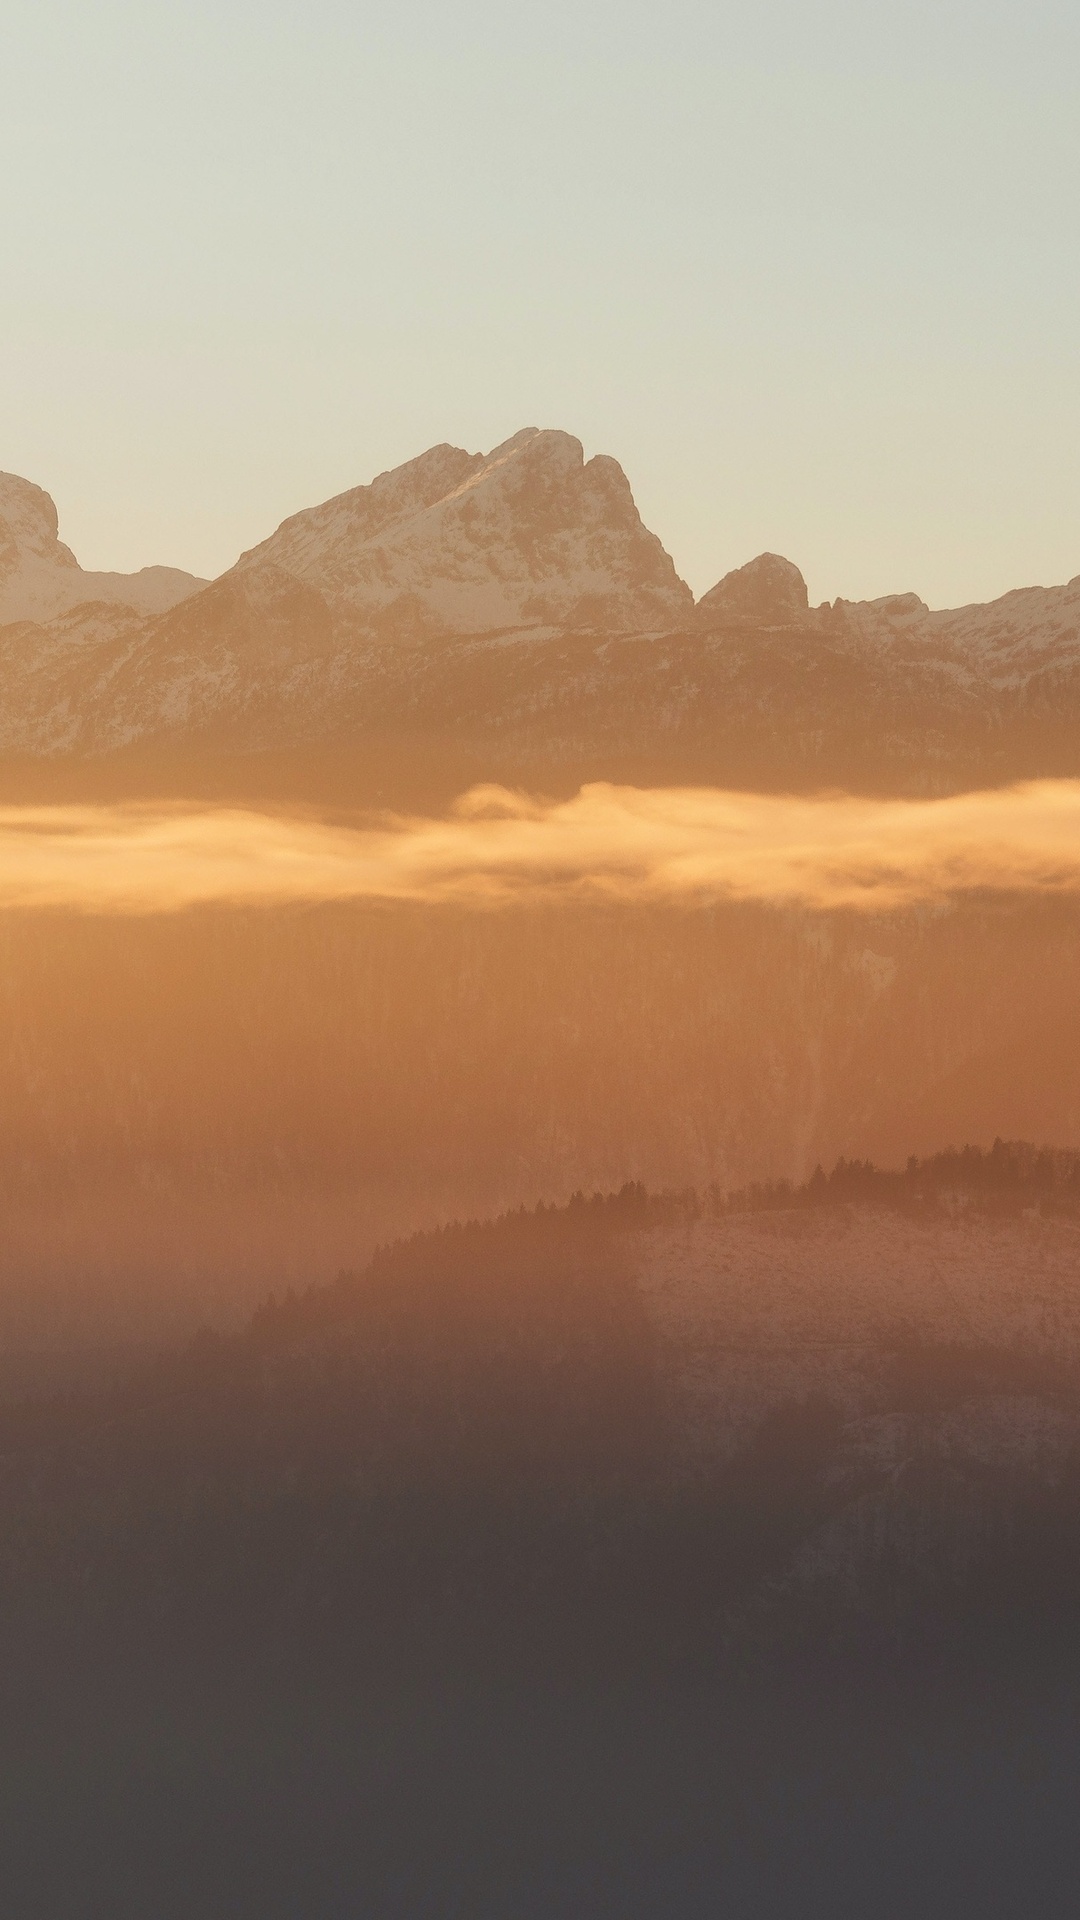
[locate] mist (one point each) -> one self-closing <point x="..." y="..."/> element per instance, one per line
<point x="497" y="848"/>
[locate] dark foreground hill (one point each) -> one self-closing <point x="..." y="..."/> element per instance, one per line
<point x="571" y="1387"/>
<point x="692" y="1554"/>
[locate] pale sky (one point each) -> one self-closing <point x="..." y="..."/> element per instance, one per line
<point x="810" y="270"/>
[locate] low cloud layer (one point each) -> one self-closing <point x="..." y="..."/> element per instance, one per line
<point x="690" y="845"/>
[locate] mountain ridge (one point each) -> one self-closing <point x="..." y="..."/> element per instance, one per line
<point x="529" y="535"/>
<point x="40" y="577"/>
<point x="513" y="608"/>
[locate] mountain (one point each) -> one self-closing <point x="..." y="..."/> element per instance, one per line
<point x="40" y="577"/>
<point x="508" y="616"/>
<point x="1005" y="643"/>
<point x="528" y="536"/>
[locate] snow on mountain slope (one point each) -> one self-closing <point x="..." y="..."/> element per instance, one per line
<point x="303" y="638"/>
<point x="1003" y="642"/>
<point x="57" y="677"/>
<point x="530" y="535"/>
<point x="41" y="578"/>
<point x="1027" y="631"/>
<point x="386" y="612"/>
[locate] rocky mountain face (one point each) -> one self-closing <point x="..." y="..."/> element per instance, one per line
<point x="509" y="616"/>
<point x="40" y="577"/>
<point x="530" y="536"/>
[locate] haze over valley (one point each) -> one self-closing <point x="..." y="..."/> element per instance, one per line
<point x="282" y="979"/>
<point x="539" y="1014"/>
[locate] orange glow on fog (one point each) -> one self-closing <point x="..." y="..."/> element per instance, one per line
<point x="496" y="848"/>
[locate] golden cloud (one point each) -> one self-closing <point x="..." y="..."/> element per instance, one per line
<point x="495" y="848"/>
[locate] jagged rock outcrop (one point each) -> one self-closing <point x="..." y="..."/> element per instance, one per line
<point x="529" y="536"/>
<point x="1004" y="642"/>
<point x="767" y="592"/>
<point x="40" y="577"/>
<point x="508" y="616"/>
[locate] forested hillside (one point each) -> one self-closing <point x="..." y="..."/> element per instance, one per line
<point x="198" y="1108"/>
<point x="631" y="1414"/>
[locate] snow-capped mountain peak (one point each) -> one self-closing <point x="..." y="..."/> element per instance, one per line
<point x="530" y="535"/>
<point x="41" y="578"/>
<point x="29" y="528"/>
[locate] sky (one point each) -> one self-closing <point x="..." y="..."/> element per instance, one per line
<point x="810" y="270"/>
